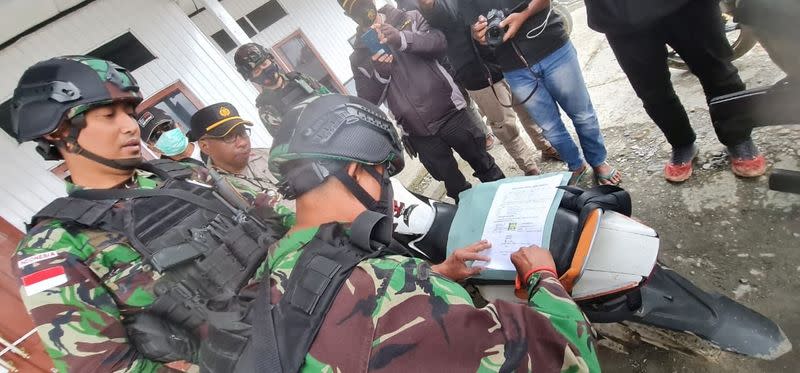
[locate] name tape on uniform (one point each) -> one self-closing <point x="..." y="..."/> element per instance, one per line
<point x="36" y="258"/>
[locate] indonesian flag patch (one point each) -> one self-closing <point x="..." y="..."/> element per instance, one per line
<point x="40" y="281"/>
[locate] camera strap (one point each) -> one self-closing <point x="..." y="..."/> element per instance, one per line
<point x="488" y="74"/>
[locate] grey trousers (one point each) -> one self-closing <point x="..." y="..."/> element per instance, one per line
<point x="503" y="122"/>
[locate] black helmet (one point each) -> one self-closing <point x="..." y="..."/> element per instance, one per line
<point x="65" y="88"/>
<point x="153" y="122"/>
<point x="331" y="131"/>
<point x="250" y="55"/>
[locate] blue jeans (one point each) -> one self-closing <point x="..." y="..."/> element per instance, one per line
<point x="560" y="83"/>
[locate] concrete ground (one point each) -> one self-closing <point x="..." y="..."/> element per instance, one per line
<point x="726" y="234"/>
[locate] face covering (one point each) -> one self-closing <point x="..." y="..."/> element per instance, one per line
<point x="172" y="142"/>
<point x="268" y="76"/>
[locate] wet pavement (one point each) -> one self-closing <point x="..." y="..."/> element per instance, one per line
<point x="726" y="234"/>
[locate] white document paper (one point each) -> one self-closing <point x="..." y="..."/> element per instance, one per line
<point x="517" y="218"/>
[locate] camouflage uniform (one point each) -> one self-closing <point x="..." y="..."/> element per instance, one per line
<point x="270" y="106"/>
<point x="393" y="314"/>
<point x="80" y="322"/>
<point x="257" y="180"/>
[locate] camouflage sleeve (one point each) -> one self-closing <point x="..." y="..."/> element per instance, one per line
<point x="548" y="297"/>
<point x="76" y="315"/>
<point x="410" y="315"/>
<point x="315" y="85"/>
<point x="287" y="216"/>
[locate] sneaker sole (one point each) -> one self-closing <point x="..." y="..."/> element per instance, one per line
<point x="691" y="170"/>
<point x="749" y="174"/>
<point x="679" y="180"/>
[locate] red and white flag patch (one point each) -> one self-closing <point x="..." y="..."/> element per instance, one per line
<point x="45" y="279"/>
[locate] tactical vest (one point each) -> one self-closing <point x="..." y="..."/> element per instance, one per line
<point x="276" y="338"/>
<point x="205" y="248"/>
<point x="282" y="100"/>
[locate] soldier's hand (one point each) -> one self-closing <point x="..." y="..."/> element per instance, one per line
<point x="455" y="266"/>
<point x="532" y="257"/>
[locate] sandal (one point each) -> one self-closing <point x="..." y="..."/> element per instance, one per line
<point x="606" y="179"/>
<point x="576" y="178"/>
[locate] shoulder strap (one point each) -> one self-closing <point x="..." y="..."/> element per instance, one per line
<point x="167" y="169"/>
<point x="69" y="209"/>
<point x="266" y="357"/>
<point x="321" y="270"/>
<point x="117" y="194"/>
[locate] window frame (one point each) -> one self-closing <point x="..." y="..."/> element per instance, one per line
<point x="284" y="61"/>
<point x="176" y="86"/>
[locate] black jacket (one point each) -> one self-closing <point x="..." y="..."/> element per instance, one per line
<point x="626" y="16"/>
<point x="419" y="92"/>
<point x="533" y="50"/>
<point x="470" y="61"/>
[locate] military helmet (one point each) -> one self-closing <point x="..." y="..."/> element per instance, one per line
<point x="335" y="130"/>
<point x="250" y="55"/>
<point x="62" y="88"/>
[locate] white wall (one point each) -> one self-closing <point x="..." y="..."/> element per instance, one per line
<point x="181" y="50"/>
<point x="322" y="21"/>
<point x="28" y="13"/>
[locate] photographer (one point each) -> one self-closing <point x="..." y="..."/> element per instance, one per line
<point x="486" y="87"/>
<point x="418" y="91"/>
<point x="539" y="61"/>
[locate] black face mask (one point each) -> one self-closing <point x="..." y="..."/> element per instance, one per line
<point x="268" y="76"/>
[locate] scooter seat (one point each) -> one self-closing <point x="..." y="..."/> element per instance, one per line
<point x="564" y="239"/>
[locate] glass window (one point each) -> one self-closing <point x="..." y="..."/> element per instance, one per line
<point x="126" y="51"/>
<point x="224" y="40"/>
<point x="301" y="56"/>
<point x="267" y="14"/>
<point x="245" y="25"/>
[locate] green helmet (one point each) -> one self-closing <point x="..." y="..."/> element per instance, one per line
<point x="329" y="132"/>
<point x="65" y="88"/>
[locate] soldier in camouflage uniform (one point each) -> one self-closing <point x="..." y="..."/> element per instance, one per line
<point x="279" y="91"/>
<point x="87" y="288"/>
<point x="396" y="313"/>
<point x="224" y="137"/>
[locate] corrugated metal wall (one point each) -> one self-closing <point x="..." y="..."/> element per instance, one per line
<point x="322" y="21"/>
<point x="182" y="52"/>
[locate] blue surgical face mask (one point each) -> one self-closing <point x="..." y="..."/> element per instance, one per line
<point x="172" y="142"/>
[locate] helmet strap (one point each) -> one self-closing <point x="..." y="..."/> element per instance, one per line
<point x="384" y="204"/>
<point x="70" y="143"/>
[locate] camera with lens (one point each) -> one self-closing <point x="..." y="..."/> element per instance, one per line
<point x="495" y="32"/>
